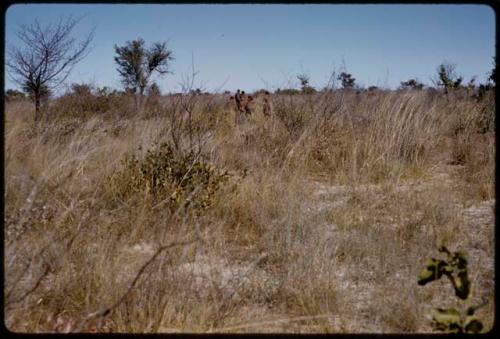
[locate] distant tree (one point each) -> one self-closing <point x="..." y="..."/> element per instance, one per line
<point x="260" y="92"/>
<point x="411" y="84"/>
<point x="471" y="84"/>
<point x="447" y="77"/>
<point x="347" y="80"/>
<point x="372" y="88"/>
<point x="493" y="75"/>
<point x="287" y="91"/>
<point x="46" y="59"/>
<point x="14" y="94"/>
<point x="136" y="65"/>
<point x="154" y="90"/>
<point x="489" y="85"/>
<point x="42" y="95"/>
<point x="304" y="84"/>
<point x="81" y="89"/>
<point x="196" y="91"/>
<point x="304" y="80"/>
<point x="105" y="91"/>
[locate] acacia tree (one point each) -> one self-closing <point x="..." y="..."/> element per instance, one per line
<point x="304" y="84"/>
<point x="347" y="80"/>
<point x="136" y="65"/>
<point x="46" y="57"/>
<point x="447" y="77"/>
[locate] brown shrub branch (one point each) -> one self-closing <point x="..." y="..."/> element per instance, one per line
<point x="31" y="290"/>
<point x="106" y="311"/>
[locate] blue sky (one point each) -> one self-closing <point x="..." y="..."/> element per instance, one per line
<point x="266" y="46"/>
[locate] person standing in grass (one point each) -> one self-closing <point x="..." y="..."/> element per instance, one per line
<point x="267" y="104"/>
<point x="245" y="103"/>
<point x="237" y="98"/>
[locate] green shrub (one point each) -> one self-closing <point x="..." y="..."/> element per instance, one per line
<point x="455" y="269"/>
<point x="178" y="180"/>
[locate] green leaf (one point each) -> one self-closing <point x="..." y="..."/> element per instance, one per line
<point x="446" y="320"/>
<point x="446" y="269"/>
<point x="472" y="309"/>
<point x="443" y="249"/>
<point x="434" y="270"/>
<point x="446" y="315"/>
<point x="460" y="260"/>
<point x="462" y="285"/>
<point x="430" y="273"/>
<point x="473" y="325"/>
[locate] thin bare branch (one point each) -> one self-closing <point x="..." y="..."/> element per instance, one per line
<point x="31" y="290"/>
<point x="104" y="312"/>
<point x="47" y="57"/>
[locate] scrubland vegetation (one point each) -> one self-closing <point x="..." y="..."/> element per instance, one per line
<point x="317" y="218"/>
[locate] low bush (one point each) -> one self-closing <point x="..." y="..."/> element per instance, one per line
<point x="454" y="268"/>
<point x="167" y="176"/>
<point x="83" y="102"/>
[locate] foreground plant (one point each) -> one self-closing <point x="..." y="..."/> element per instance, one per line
<point x="454" y="268"/>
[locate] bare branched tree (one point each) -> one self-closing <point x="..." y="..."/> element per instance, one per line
<point x="46" y="57"/>
<point x="136" y="65"/>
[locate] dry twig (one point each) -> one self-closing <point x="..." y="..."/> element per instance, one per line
<point x="106" y="311"/>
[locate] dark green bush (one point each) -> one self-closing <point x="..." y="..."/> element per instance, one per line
<point x="454" y="268"/>
<point x="166" y="176"/>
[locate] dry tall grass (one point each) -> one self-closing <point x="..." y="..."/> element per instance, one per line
<point x="330" y="208"/>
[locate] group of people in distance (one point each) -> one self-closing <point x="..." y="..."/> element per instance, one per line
<point x="243" y="100"/>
